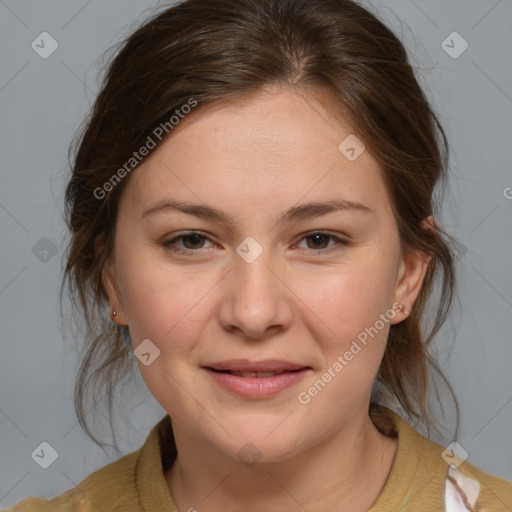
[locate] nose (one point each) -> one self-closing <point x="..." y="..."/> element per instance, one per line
<point x="256" y="299"/>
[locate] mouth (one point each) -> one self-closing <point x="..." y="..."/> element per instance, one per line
<point x="256" y="380"/>
<point x="245" y="374"/>
<point x="273" y="366"/>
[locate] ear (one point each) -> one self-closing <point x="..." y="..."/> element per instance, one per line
<point x="413" y="267"/>
<point x="110" y="284"/>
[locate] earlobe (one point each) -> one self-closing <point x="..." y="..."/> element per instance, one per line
<point x="110" y="285"/>
<point x="116" y="309"/>
<point x="409" y="285"/>
<point x="413" y="268"/>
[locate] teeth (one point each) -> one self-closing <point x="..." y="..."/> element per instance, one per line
<point x="254" y="374"/>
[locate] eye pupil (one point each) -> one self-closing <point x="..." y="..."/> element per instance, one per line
<point x="317" y="236"/>
<point x="196" y="237"/>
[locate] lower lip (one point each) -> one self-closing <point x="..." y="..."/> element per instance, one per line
<point x="257" y="387"/>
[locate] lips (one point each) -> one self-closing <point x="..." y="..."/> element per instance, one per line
<point x="254" y="374"/>
<point x="256" y="380"/>
<point x="267" y="366"/>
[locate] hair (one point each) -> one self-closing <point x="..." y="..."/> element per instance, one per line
<point x="218" y="52"/>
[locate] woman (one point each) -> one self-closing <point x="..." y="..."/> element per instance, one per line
<point x="252" y="202"/>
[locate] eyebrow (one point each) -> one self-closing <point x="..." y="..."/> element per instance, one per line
<point x="295" y="213"/>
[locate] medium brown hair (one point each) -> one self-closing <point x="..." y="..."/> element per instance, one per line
<point x="217" y="52"/>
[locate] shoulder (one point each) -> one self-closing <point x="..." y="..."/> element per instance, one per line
<point x="111" y="487"/>
<point x="121" y="486"/>
<point x="464" y="487"/>
<point x="469" y="485"/>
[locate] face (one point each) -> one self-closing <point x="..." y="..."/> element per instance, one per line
<point x="257" y="276"/>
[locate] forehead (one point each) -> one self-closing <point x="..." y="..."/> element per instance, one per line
<point x="274" y="148"/>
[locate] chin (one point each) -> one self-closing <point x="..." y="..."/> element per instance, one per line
<point x="263" y="443"/>
<point x="251" y="453"/>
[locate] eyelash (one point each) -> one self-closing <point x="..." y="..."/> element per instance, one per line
<point x="168" y="245"/>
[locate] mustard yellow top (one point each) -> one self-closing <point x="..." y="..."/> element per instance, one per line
<point x="420" y="481"/>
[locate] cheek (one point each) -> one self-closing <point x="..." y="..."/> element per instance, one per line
<point x="159" y="299"/>
<point x="353" y="314"/>
<point x="347" y="299"/>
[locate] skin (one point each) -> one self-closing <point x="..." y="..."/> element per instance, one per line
<point x="303" y="300"/>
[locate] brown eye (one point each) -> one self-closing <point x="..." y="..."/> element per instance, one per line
<point x="194" y="240"/>
<point x="190" y="242"/>
<point x="320" y="240"/>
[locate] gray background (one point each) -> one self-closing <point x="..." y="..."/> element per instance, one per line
<point x="42" y="102"/>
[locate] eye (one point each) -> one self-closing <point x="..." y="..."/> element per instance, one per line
<point x="319" y="238"/>
<point x="193" y="237"/>
<point x="194" y="241"/>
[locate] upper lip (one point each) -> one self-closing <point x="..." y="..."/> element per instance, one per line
<point x="244" y="365"/>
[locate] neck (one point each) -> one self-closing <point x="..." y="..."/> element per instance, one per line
<point x="347" y="468"/>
